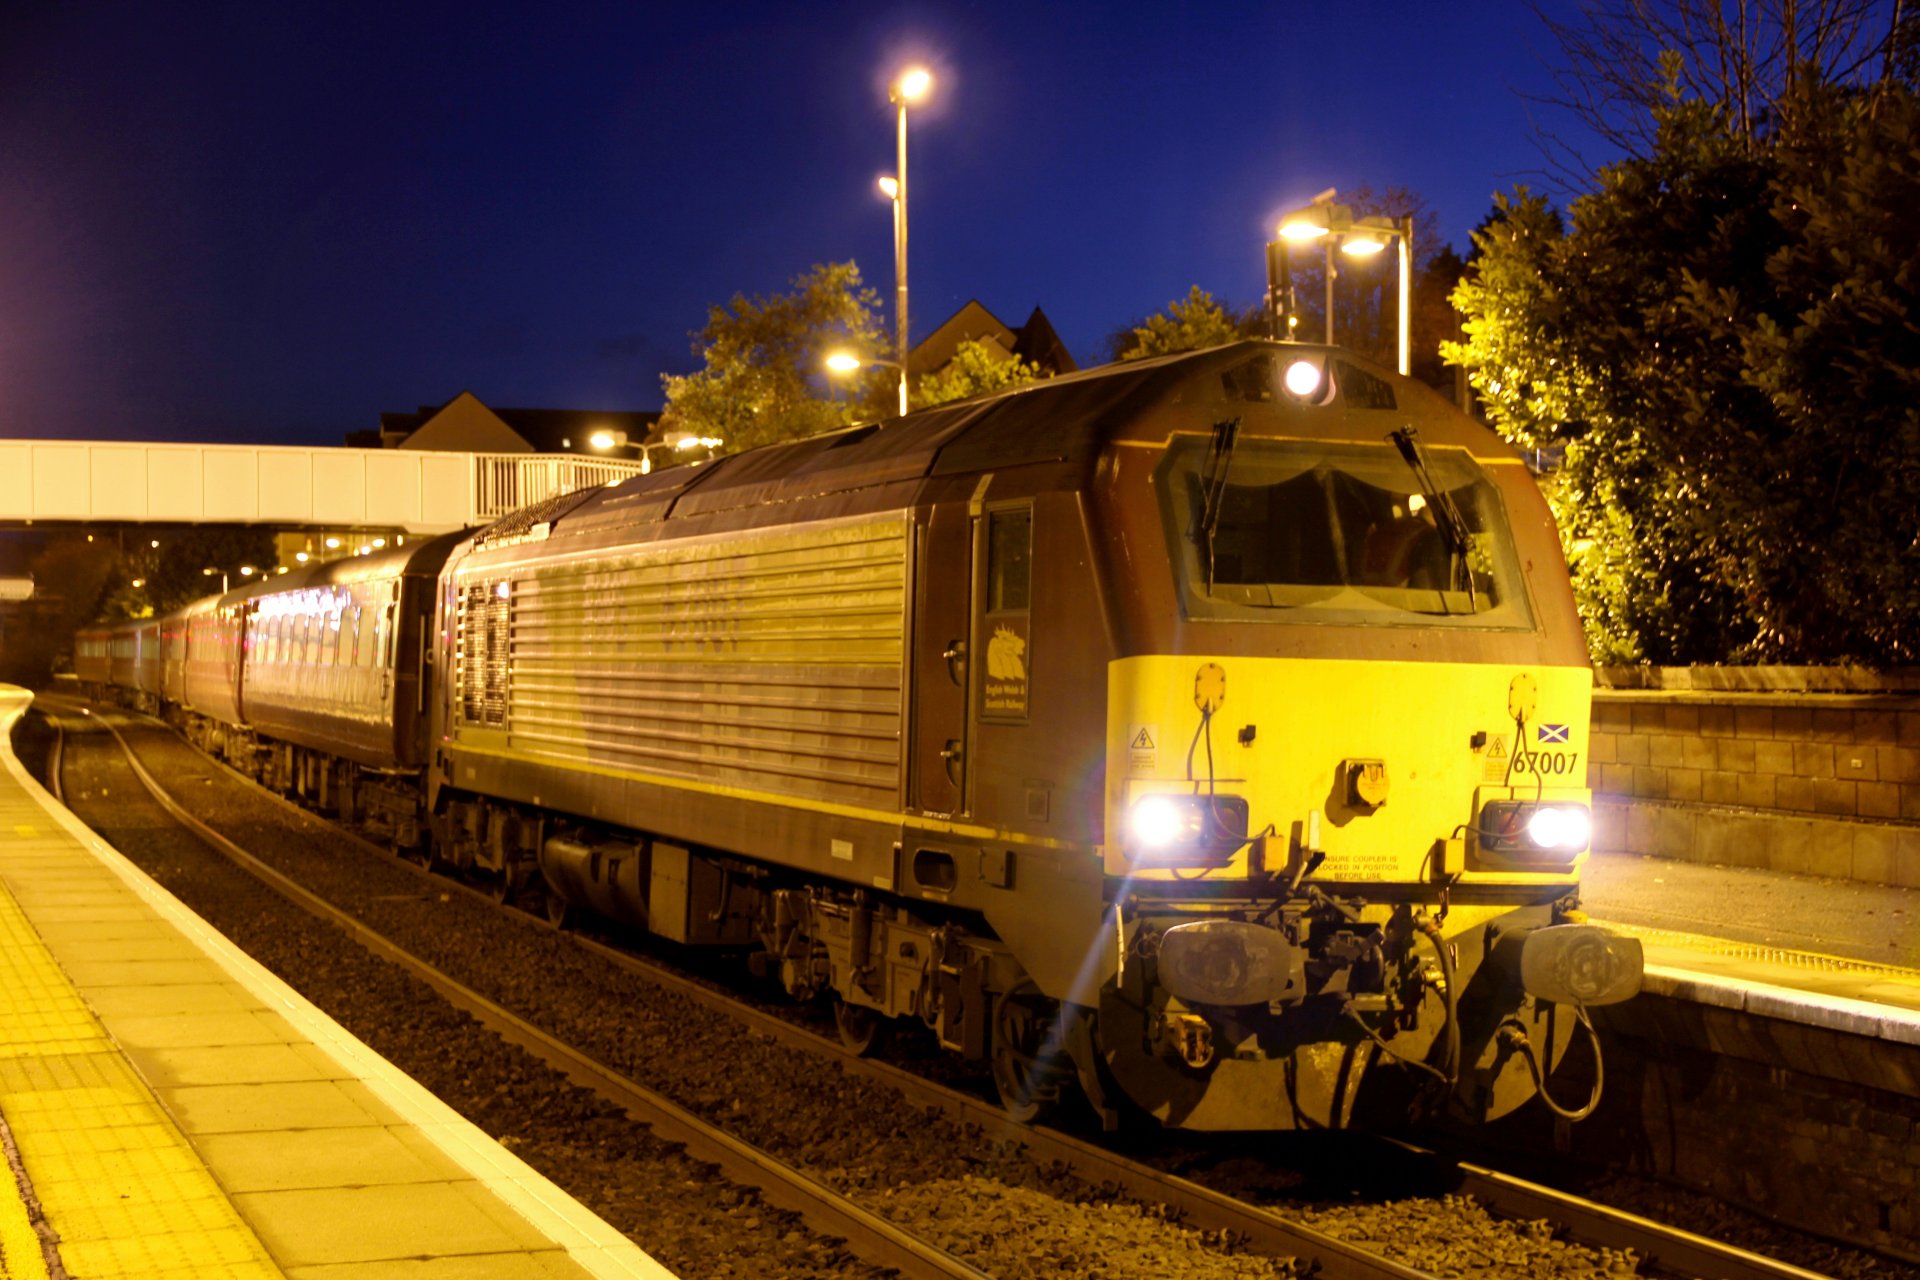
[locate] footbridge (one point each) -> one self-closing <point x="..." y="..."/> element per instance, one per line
<point x="418" y="491"/>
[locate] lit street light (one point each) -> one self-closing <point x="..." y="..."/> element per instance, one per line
<point x="1365" y="237"/>
<point x="208" y="573"/>
<point x="913" y="85"/>
<point x="844" y="362"/>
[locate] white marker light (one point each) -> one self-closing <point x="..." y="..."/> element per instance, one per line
<point x="1303" y="378"/>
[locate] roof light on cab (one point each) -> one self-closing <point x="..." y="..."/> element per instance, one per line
<point x="1303" y="378"/>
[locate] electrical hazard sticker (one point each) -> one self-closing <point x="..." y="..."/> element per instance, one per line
<point x="1496" y="759"/>
<point x="1143" y="753"/>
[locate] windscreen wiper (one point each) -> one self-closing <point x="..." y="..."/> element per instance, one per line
<point x="1453" y="528"/>
<point x="1213" y="486"/>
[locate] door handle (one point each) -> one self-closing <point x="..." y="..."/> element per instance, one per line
<point x="956" y="657"/>
<point x="952" y="754"/>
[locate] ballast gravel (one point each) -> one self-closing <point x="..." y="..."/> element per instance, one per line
<point x="985" y="1200"/>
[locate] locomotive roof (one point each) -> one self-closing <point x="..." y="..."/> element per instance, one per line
<point x="1057" y="420"/>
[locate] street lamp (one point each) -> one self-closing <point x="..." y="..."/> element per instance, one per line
<point x="208" y="573"/>
<point x="913" y="85"/>
<point x="1332" y="224"/>
<point x="843" y="362"/>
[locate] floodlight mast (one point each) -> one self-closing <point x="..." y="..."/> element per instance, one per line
<point x="1331" y="224"/>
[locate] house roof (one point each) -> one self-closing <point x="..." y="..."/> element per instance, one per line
<point x="465" y="422"/>
<point x="1035" y="341"/>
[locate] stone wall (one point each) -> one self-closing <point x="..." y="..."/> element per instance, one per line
<point x="1856" y="757"/>
<point x="1812" y="1126"/>
<point x="1762" y="774"/>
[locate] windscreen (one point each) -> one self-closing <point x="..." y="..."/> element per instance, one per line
<point x="1298" y="531"/>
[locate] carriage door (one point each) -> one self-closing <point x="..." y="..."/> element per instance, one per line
<point x="943" y="592"/>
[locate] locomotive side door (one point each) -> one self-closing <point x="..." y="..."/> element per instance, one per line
<point x="943" y="592"/>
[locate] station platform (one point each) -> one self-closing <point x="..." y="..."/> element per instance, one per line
<point x="1837" y="954"/>
<point x="168" y="1108"/>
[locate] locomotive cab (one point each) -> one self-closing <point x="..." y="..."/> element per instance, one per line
<point x="1345" y="765"/>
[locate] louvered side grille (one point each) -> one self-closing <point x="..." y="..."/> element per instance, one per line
<point x="771" y="662"/>
<point x="482" y="655"/>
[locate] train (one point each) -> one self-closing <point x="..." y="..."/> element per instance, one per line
<point x="1199" y="739"/>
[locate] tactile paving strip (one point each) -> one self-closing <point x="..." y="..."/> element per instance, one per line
<point x="1760" y="953"/>
<point x="113" y="1175"/>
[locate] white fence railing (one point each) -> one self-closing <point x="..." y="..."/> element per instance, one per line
<point x="505" y="482"/>
<point x="415" y="490"/>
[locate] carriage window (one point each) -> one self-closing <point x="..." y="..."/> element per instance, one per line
<point x="1300" y="532"/>
<point x="382" y="624"/>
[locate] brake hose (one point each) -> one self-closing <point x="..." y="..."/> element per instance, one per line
<point x="1425" y="924"/>
<point x="1517" y="1036"/>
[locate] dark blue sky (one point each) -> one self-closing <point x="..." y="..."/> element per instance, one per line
<point x="271" y="222"/>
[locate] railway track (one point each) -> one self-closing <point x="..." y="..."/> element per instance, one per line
<point x="1663" y="1250"/>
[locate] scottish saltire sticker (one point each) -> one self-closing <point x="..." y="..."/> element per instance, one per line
<point x="1553" y="733"/>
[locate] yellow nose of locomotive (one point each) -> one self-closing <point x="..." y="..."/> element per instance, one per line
<point x="1390" y="772"/>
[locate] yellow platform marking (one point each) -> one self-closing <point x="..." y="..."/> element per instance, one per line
<point x="114" y="1177"/>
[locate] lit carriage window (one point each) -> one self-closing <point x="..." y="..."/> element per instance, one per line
<point x="1009" y="560"/>
<point x="382" y="626"/>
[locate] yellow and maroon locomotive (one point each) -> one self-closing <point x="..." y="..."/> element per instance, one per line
<point x="1204" y="735"/>
<point x="1204" y="732"/>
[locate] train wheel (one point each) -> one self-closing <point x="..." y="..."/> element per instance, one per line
<point x="859" y="1026"/>
<point x="1031" y="1068"/>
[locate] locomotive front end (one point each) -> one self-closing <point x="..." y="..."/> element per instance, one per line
<point x="1346" y="810"/>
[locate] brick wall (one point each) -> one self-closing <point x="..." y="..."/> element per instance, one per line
<point x="1812" y="1126"/>
<point x="1760" y="751"/>
<point x="1813" y="783"/>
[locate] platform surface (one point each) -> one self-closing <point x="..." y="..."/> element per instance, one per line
<point x="1836" y="953"/>
<point x="171" y="1109"/>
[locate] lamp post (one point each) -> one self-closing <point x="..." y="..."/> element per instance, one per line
<point x="1331" y="224"/>
<point x="912" y="85"/>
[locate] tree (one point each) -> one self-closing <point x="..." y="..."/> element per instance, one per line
<point x="1724" y="342"/>
<point x="1622" y="62"/>
<point x="1193" y="325"/>
<point x="176" y="574"/>
<point x="762" y="381"/>
<point x="974" y="370"/>
<point x="1809" y="500"/>
<point x="74" y="581"/>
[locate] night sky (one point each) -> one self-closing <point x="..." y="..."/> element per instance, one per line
<point x="270" y="222"/>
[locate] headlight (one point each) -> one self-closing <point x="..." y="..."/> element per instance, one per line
<point x="1169" y="830"/>
<point x="1560" y="827"/>
<point x="1529" y="835"/>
